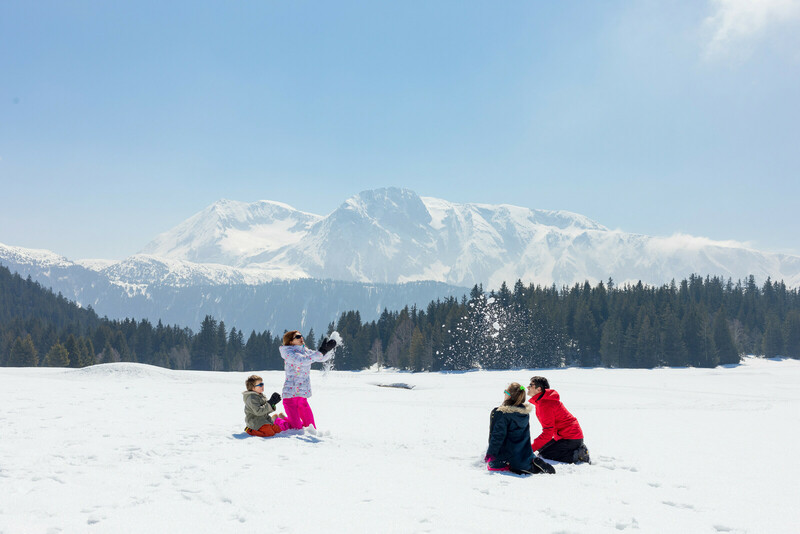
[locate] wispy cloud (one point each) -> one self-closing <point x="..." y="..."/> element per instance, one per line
<point x="735" y="25"/>
<point x="680" y="241"/>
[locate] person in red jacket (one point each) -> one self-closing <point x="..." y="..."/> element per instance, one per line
<point x="561" y="438"/>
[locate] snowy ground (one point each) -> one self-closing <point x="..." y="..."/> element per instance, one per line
<point x="131" y="448"/>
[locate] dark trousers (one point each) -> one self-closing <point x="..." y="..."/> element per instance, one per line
<point x="562" y="450"/>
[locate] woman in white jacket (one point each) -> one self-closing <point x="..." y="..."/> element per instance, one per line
<point x="297" y="387"/>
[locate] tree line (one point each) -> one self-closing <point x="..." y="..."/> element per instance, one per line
<point x="40" y="328"/>
<point x="700" y="322"/>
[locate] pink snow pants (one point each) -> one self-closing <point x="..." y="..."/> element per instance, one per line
<point x="282" y="423"/>
<point x="298" y="412"/>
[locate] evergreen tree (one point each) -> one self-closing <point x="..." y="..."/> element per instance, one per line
<point x="220" y="345"/>
<point x="234" y="351"/>
<point x="773" y="337"/>
<point x="120" y="345"/>
<point x="673" y="349"/>
<point x="57" y="356"/>
<point x="205" y="345"/>
<point x="87" y="351"/>
<point x="695" y="336"/>
<point x="647" y="342"/>
<point x="701" y="348"/>
<point x="144" y="341"/>
<point x="630" y="344"/>
<point x="109" y="354"/>
<point x="23" y="353"/>
<point x="587" y="338"/>
<point x="353" y="355"/>
<point x="386" y="325"/>
<point x="74" y="351"/>
<point x="723" y="340"/>
<point x="504" y="295"/>
<point x="255" y="352"/>
<point x="399" y="342"/>
<point x="311" y="340"/>
<point x="416" y="352"/>
<point x="611" y="343"/>
<point x="791" y="334"/>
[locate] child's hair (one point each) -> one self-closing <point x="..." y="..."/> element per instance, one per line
<point x="515" y="395"/>
<point x="289" y="336"/>
<point x="540" y="382"/>
<point x="251" y="382"/>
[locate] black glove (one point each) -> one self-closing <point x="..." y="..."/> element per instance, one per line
<point x="274" y="399"/>
<point x="327" y="345"/>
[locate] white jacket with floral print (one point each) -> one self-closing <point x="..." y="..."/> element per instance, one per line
<point x="297" y="360"/>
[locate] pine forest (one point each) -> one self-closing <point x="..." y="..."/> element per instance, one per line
<point x="699" y="322"/>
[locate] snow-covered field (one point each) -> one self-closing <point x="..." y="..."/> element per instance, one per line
<point x="130" y="448"/>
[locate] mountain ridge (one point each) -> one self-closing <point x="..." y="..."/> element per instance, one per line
<point x="392" y="235"/>
<point x="267" y="264"/>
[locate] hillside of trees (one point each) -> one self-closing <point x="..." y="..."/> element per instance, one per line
<point x="40" y="328"/>
<point x="699" y="322"/>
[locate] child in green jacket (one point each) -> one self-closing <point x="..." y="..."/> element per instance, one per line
<point x="257" y="410"/>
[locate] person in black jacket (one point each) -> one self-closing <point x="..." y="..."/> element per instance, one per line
<point x="510" y="436"/>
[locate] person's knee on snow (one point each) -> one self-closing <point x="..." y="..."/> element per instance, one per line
<point x="266" y="431"/>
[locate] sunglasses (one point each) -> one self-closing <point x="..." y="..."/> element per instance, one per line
<point x="261" y="385"/>
<point x="298" y="336"/>
<point x="521" y="388"/>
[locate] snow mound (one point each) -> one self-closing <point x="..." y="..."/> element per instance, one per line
<point x="400" y="385"/>
<point x="126" y="370"/>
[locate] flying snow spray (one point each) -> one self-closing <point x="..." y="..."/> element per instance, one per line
<point x="327" y="365"/>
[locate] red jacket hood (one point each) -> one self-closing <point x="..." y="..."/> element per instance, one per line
<point x="549" y="394"/>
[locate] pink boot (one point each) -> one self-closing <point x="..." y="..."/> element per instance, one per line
<point x="283" y="423"/>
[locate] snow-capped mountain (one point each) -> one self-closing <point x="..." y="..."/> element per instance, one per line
<point x="229" y="232"/>
<point x="393" y="235"/>
<point x="183" y="293"/>
<point x="267" y="265"/>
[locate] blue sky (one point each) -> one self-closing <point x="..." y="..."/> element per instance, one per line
<point x="119" y="121"/>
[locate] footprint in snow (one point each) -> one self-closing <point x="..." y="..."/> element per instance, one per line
<point x="621" y="525"/>
<point x="678" y="505"/>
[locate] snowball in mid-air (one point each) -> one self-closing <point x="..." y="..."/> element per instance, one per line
<point x="337" y="338"/>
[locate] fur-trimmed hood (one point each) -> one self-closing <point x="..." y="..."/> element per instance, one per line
<point x="524" y="409"/>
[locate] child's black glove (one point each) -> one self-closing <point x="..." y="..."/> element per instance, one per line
<point x="274" y="399"/>
<point x="327" y="345"/>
